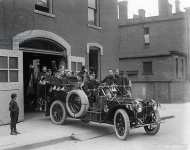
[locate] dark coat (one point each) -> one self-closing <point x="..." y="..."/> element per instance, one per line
<point x="13" y="106"/>
<point x="109" y="80"/>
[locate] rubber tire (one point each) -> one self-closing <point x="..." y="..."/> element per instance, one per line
<point x="64" y="112"/>
<point x="155" y="131"/>
<point x="127" y="124"/>
<point x="84" y="103"/>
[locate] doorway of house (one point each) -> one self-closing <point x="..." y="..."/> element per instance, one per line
<point x="94" y="61"/>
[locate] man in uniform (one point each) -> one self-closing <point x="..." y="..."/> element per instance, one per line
<point x="109" y="79"/>
<point x="14" y="112"/>
<point x="90" y="87"/>
<point x="41" y="87"/>
<point x="122" y="81"/>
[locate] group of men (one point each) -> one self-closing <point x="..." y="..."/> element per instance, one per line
<point x="88" y="80"/>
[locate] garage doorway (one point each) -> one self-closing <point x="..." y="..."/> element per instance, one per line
<point x="39" y="52"/>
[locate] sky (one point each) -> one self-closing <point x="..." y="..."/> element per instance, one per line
<point x="151" y="6"/>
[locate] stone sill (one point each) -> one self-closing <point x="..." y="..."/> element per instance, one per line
<point x="94" y="27"/>
<point x="44" y="13"/>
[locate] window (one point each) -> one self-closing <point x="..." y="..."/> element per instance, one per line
<point x="147" y="68"/>
<point x="146" y="36"/>
<point x="146" y="30"/>
<point x="133" y="73"/>
<point x="77" y="63"/>
<point x="44" y="5"/>
<point x="8" y="69"/>
<point x="76" y="66"/>
<point x="92" y="12"/>
<point x="176" y="67"/>
<point x="182" y="68"/>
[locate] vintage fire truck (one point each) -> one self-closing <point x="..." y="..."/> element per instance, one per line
<point x="105" y="104"/>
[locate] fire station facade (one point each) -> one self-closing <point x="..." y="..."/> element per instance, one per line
<point x="76" y="32"/>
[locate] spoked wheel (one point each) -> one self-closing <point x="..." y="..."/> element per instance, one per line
<point x="77" y="103"/>
<point x="58" y="112"/>
<point x="74" y="103"/>
<point x="121" y="124"/>
<point x="153" y="128"/>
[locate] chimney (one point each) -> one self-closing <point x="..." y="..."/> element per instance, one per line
<point x="123" y="11"/>
<point x="177" y="6"/>
<point x="135" y="16"/>
<point x="164" y="8"/>
<point x="170" y="9"/>
<point x="141" y="13"/>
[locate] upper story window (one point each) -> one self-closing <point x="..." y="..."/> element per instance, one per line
<point x="93" y="12"/>
<point x="44" y="6"/>
<point x="146" y="36"/>
<point x="147" y="68"/>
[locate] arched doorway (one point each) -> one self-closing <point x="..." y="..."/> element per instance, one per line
<point x="40" y="47"/>
<point x="39" y="53"/>
<point x="31" y="34"/>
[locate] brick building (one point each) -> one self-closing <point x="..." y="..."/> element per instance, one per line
<point x="73" y="32"/>
<point x="154" y="52"/>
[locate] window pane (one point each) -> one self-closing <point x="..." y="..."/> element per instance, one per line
<point x="3" y="76"/>
<point x="43" y="3"/>
<point x="13" y="75"/>
<point x="92" y="3"/>
<point x="79" y="66"/>
<point x="3" y="62"/>
<point x="147" y="39"/>
<point x="73" y="66"/>
<point x="91" y="16"/>
<point x="147" y="67"/>
<point x="13" y="62"/>
<point x="146" y="30"/>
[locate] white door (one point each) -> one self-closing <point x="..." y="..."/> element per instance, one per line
<point x="11" y="81"/>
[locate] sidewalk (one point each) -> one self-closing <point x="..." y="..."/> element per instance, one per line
<point x="38" y="129"/>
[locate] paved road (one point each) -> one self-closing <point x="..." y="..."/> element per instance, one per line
<point x="40" y="134"/>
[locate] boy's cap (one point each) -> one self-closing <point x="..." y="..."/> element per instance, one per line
<point x="13" y="95"/>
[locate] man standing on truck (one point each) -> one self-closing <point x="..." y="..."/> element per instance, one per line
<point x="109" y="79"/>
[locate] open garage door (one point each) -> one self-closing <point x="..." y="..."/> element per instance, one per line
<point x="11" y="81"/>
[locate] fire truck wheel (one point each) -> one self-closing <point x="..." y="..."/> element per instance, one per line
<point x="77" y="103"/>
<point x="153" y="129"/>
<point x="58" y="112"/>
<point x="121" y="124"/>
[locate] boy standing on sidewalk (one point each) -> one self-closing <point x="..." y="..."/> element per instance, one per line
<point x="14" y="112"/>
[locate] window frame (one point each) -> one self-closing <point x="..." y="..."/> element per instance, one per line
<point x="132" y="73"/>
<point x="146" y="35"/>
<point x="77" y="60"/>
<point x="182" y="68"/>
<point x="50" y="7"/>
<point x="8" y="69"/>
<point x="177" y="67"/>
<point x="96" y="10"/>
<point x="147" y="73"/>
